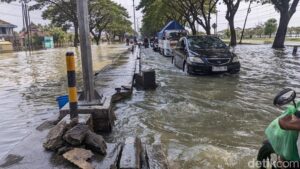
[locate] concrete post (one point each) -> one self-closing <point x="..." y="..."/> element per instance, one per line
<point x="86" y="52"/>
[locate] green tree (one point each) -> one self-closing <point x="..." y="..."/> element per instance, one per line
<point x="201" y="11"/>
<point x="227" y="33"/>
<point x="270" y="27"/>
<point x="291" y="31"/>
<point x="64" y="14"/>
<point x="287" y="9"/>
<point x="107" y="15"/>
<point x="183" y="9"/>
<point x="156" y="15"/>
<point x="259" y="30"/>
<point x="60" y="36"/>
<point x="61" y="14"/>
<point x="119" y="25"/>
<point x="297" y="31"/>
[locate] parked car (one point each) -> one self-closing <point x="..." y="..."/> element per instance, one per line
<point x="205" y="55"/>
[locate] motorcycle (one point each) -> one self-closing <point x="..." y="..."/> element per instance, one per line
<point x="267" y="155"/>
<point x="155" y="46"/>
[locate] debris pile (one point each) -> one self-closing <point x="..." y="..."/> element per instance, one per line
<point x="76" y="142"/>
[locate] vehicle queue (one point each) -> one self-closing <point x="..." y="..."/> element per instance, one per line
<point x="204" y="54"/>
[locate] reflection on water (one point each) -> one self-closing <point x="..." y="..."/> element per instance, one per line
<point x="30" y="84"/>
<point x="210" y="121"/>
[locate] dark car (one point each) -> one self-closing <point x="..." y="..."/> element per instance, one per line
<point x="205" y="55"/>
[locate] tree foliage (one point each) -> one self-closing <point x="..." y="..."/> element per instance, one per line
<point x="188" y="13"/>
<point x="63" y="14"/>
<point x="59" y="35"/>
<point x="270" y="27"/>
<point x="109" y="16"/>
<point x="156" y="15"/>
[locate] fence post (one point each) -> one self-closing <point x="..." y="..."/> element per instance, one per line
<point x="73" y="99"/>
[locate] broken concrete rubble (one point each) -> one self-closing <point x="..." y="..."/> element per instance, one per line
<point x="54" y="139"/>
<point x="79" y="157"/>
<point x="95" y="143"/>
<point x="76" y="135"/>
<point x="110" y="161"/>
<point x="156" y="157"/>
<point x="131" y="154"/>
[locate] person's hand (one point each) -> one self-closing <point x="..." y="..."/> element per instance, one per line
<point x="290" y="122"/>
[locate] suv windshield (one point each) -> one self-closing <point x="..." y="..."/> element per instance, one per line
<point x="205" y="42"/>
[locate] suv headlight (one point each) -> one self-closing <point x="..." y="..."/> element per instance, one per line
<point x="235" y="59"/>
<point x="195" y="60"/>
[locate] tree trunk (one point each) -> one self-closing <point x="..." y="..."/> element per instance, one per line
<point x="98" y="38"/>
<point x="232" y="32"/>
<point x="193" y="28"/>
<point x="207" y="30"/>
<point x="76" y="36"/>
<point x="281" y="31"/>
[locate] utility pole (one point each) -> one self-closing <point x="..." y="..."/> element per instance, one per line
<point x="137" y="25"/>
<point x="86" y="52"/>
<point x="216" y="23"/>
<point x="248" y="11"/>
<point x="26" y="23"/>
<point x="134" y="18"/>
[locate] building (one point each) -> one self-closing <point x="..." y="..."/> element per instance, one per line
<point x="37" y="35"/>
<point x="7" y="31"/>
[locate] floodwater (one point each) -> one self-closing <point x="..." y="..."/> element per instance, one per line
<point x="210" y="121"/>
<point x="30" y="84"/>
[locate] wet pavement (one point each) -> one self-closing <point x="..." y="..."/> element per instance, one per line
<point x="209" y="121"/>
<point x="30" y="84"/>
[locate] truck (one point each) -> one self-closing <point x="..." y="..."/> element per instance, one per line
<point x="169" y="36"/>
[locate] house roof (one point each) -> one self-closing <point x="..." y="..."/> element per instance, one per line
<point x="6" y="24"/>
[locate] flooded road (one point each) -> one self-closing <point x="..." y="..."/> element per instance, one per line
<point x="209" y="121"/>
<point x="30" y="84"/>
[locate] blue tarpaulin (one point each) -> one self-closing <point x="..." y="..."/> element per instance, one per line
<point x="173" y="25"/>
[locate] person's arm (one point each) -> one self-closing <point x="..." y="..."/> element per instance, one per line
<point x="290" y="122"/>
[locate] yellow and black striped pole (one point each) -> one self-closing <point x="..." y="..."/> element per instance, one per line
<point x="73" y="102"/>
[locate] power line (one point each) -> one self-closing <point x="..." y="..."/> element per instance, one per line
<point x="14" y="15"/>
<point x="245" y="9"/>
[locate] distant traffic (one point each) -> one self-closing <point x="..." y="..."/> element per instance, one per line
<point x="203" y="54"/>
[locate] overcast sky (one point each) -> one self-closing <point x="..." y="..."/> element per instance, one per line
<point x="259" y="14"/>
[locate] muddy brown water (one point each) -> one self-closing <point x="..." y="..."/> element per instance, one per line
<point x="30" y="84"/>
<point x="203" y="121"/>
<point x="210" y="121"/>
